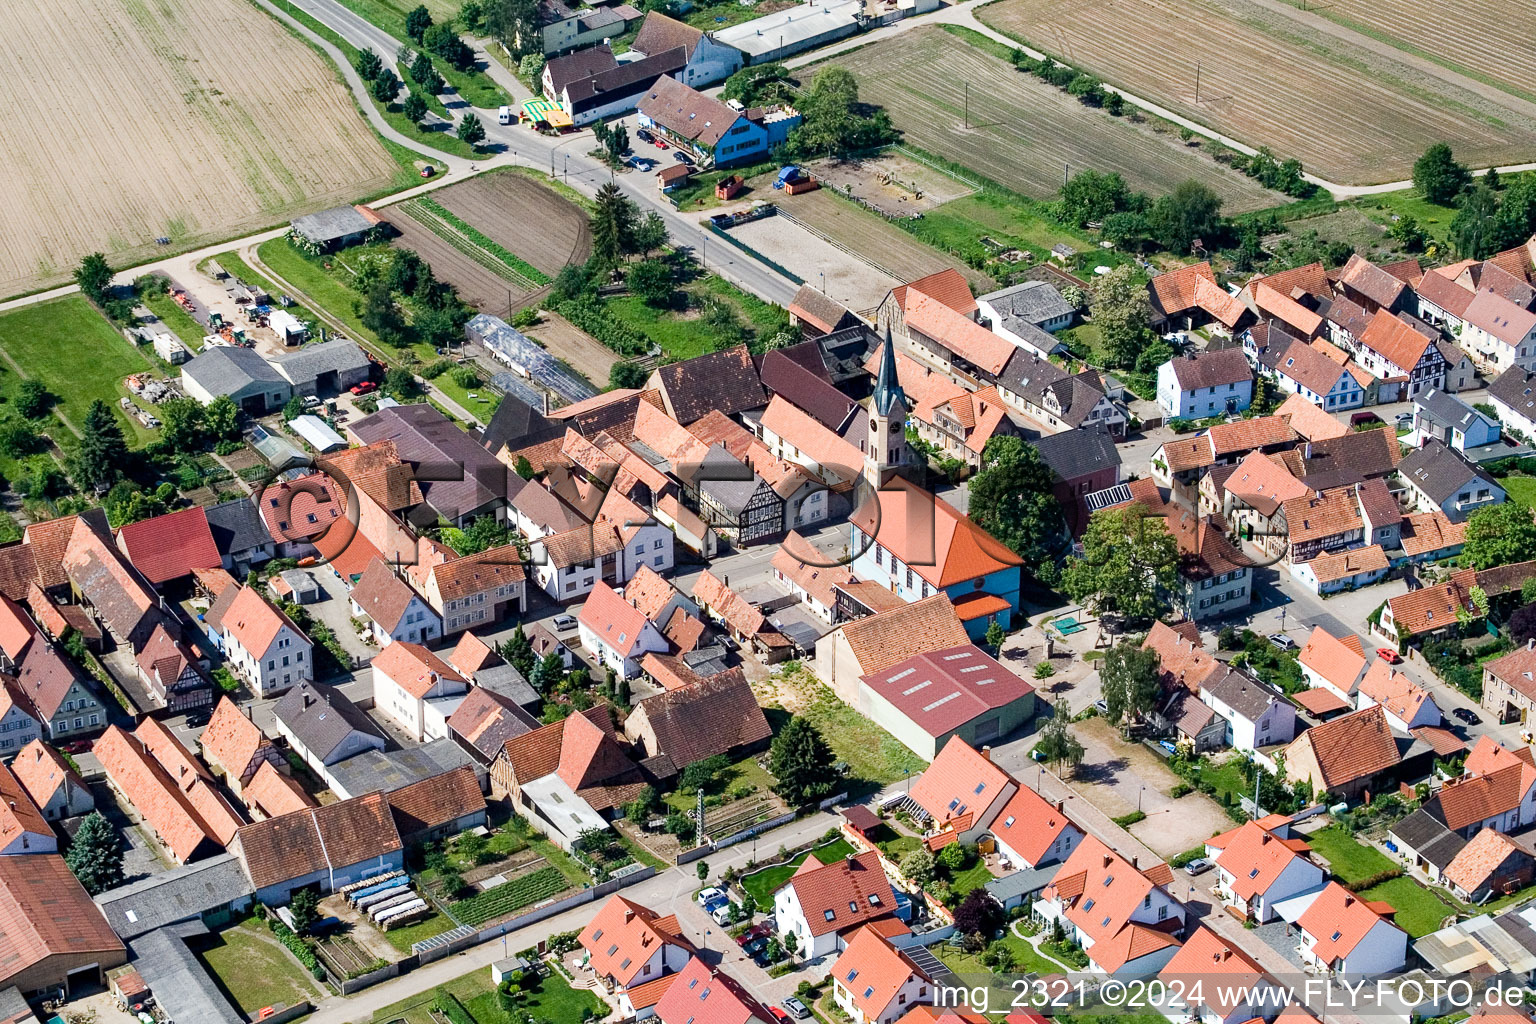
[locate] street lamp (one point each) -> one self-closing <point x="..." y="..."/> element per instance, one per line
<point x="1138" y="798"/>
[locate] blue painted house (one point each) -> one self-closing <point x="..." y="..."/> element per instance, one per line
<point x="715" y="134"/>
<point x="917" y="545"/>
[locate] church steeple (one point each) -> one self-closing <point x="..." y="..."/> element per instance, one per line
<point x="885" y="450"/>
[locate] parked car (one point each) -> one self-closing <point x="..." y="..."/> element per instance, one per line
<point x="1365" y="419"/>
<point x="1469" y="717"/>
<point x="77" y="746"/>
<point x="707" y="896"/>
<point x="796" y="1007"/>
<point x="198" y="717"/>
<point x="660" y="143"/>
<point x="428" y="171"/>
<point x="1198" y="866"/>
<point x="367" y="387"/>
<point x="566" y="623"/>
<point x="1388" y="655"/>
<point x="722" y="913"/>
<point x="1282" y="641"/>
<point x="778" y="1014"/>
<point x="751" y="935"/>
<point x="644" y="135"/>
<point x="1169" y="747"/>
<point x="1101" y="706"/>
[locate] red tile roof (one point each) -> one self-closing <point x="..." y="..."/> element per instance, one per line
<point x="16" y="629"/>
<point x="735" y="611"/>
<point x="49" y="539"/>
<point x="960" y="779"/>
<point x="623" y="935"/>
<point x="1320" y="701"/>
<point x="1255" y="858"/>
<point x="1183" y="661"/>
<point x="1029" y="824"/>
<point x="1393" y="690"/>
<point x="704" y="718"/>
<point x="1394" y="340"/>
<point x="1101" y="889"/>
<point x="273" y="793"/>
<point x="439" y="800"/>
<point x="1339" y="920"/>
<point x="254" y="622"/>
<point x="170" y="546"/>
<point x="948" y="286"/>
<point x="1350" y="747"/>
<point x="169" y="788"/>
<point x="1470" y="869"/>
<point x="848" y="892"/>
<point x="1194" y="286"/>
<point x="318" y="839"/>
<point x="231" y="741"/>
<point x="41" y="770"/>
<point x="414" y="669"/>
<point x="1222" y="972"/>
<point x="1472" y="799"/>
<point x="1308" y="420"/>
<point x="909" y="519"/>
<point x="701" y="995"/>
<point x="881" y="640"/>
<point x="873" y="971"/>
<point x="18" y="814"/>
<point x="614" y="620"/>
<point x="45" y="912"/>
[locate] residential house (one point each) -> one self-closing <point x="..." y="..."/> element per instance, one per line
<point x="744" y="621"/>
<point x="1182" y="665"/>
<point x="704" y="995"/>
<point x="23" y="829"/>
<point x="1408" y="362"/>
<point x="592" y="85"/>
<point x="234" y="745"/>
<point x="60" y="699"/>
<point x="1260" y="865"/>
<point x="630" y="945"/>
<point x="1372" y="287"/>
<point x="795" y="436"/>
<point x="52" y="785"/>
<point x="1257" y="715"/>
<point x="1423" y="842"/>
<point x="485" y="721"/>
<point x="808" y="574"/>
<point x="1282" y="315"/>
<point x="1123" y="917"/>
<point x="1347" y="757"/>
<point x="1408" y="706"/>
<point x="1032" y="832"/>
<point x="1438" y="478"/>
<point x="1490" y="864"/>
<point x="1053" y="400"/>
<point x="873" y="982"/>
<point x="394" y="611"/>
<point x="439" y="807"/>
<point x="16" y="634"/>
<point x="873" y="642"/>
<point x="1189" y="297"/>
<point x="60" y="941"/>
<point x="1431" y="537"/>
<point x="260" y="642"/>
<point x="715" y="135"/>
<point x="1442" y="298"/>
<point x="1310" y="422"/>
<point x="326" y="847"/>
<point x="1212" y="981"/>
<point x="322" y="726"/>
<point x="116" y="593"/>
<point x="477" y="590"/>
<point x="417" y="690"/>
<point x="1513" y="395"/>
<point x="1332" y="663"/>
<point x="714" y="716"/>
<point x="1450" y="421"/>
<point x="706" y="60"/>
<point x="1180" y="463"/>
<point x="563" y="28"/>
<point x="1509" y="685"/>
<point x="1216" y="382"/>
<point x="916" y="544"/>
<point x="172" y="791"/>
<point x="173" y="673"/>
<point x="168" y="547"/>
<point x="957" y="692"/>
<point x="1083" y="462"/>
<point x="1499" y="334"/>
<point x="1428" y="610"/>
<point x="1027" y="314"/>
<point x="1252" y="495"/>
<point x="270" y="794"/>
<point x="1342" y="570"/>
<point x="823" y="905"/>
<point x="963" y="791"/>
<point x="1345" y="934"/>
<point x="1299" y="368"/>
<point x="617" y="633"/>
<point x="20" y="724"/>
<point x="1500" y="799"/>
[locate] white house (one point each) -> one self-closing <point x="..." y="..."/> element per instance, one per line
<point x="1298" y="368"/>
<point x="1027" y="314"/>
<point x="1395" y="350"/>
<point x="821" y="902"/>
<point x="1124" y="918"/>
<point x="1498" y="333"/>
<point x="394" y="611"/>
<point x="1513" y="394"/>
<point x="1030" y="831"/>
<point x="18" y="722"/>
<point x="261" y="643"/>
<point x="54" y="787"/>
<point x="1260" y="865"/>
<point x="1214" y="982"/>
<point x="708" y="60"/>
<point x="965" y="788"/>
<point x="1347" y="935"/>
<point x="1210" y="383"/>
<point x="873" y="982"/>
<point x="616" y="633"/>
<point x="1257" y="715"/>
<point x="1407" y="705"/>
<point x="417" y="690"/>
<point x="1450" y="421"/>
<point x="23" y="829"/>
<point x="1333" y="664"/>
<point x="629" y="946"/>
<point x="1439" y="478"/>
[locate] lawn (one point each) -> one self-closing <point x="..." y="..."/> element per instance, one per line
<point x="683" y="335"/>
<point x="1521" y="489"/>
<point x="253" y="970"/>
<point x="73" y="350"/>
<point x="874" y="757"/>
<point x="971" y="877"/>
<point x="177" y="319"/>
<point x="1419" y="910"/>
<point x="1351" y="861"/>
<point x="402" y="938"/>
<point x="895" y="845"/>
<point x="553" y="1000"/>
<point x="1228" y="779"/>
<point x="745" y="772"/>
<point x="1027" y="959"/>
<point x="762" y="883"/>
<point x="1433" y="218"/>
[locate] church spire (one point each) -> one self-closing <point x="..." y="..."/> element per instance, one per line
<point x="887" y="385"/>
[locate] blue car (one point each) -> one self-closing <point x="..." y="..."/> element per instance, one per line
<point x="1168" y="747"/>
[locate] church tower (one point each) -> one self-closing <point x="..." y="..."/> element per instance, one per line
<point x="885" y="450"/>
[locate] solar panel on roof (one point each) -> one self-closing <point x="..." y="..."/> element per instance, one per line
<point x="1115" y="495"/>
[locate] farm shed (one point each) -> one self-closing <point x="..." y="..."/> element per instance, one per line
<point x="255" y="384"/>
<point x="167" y="347"/>
<point x="318" y="433"/>
<point x="336" y="228"/>
<point x="330" y="367"/>
<point x="784" y="33"/>
<point x="289" y="329"/>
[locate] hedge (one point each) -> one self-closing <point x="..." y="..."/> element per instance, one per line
<point x="297" y="946"/>
<point x="591" y="317"/>
<point x="1374" y="880"/>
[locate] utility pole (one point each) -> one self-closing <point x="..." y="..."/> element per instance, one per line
<point x="1066" y="173"/>
<point x="967" y="105"/>
<point x="1197" y="82"/>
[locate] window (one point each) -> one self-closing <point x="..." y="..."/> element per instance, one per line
<point x="1162" y="913"/>
<point x="830" y="915"/>
<point x="909" y="577"/>
<point x="656" y="545"/>
<point x="1088" y="906"/>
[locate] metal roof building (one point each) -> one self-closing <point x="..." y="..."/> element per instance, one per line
<point x="318" y="433"/>
<point x="515" y="349"/>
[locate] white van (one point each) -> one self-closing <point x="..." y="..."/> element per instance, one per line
<point x="504" y="115"/>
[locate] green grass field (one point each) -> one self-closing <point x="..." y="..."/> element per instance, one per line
<point x="1419" y="910"/>
<point x="77" y="354"/>
<point x="874" y="756"/>
<point x="1351" y="860"/>
<point x="1522" y="489"/>
<point x="683" y="335"/>
<point x="761" y="884"/>
<point x="255" y="971"/>
<point x="1027" y="959"/>
<point x="552" y="1000"/>
<point x="177" y="319"/>
<point x="474" y="86"/>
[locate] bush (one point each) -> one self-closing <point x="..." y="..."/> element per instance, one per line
<point x="1044" y="670"/>
<point x="1182" y="789"/>
<point x="432" y="371"/>
<point x="779" y="970"/>
<point x="297" y="946"/>
<point x="1127" y="820"/>
<point x="1376" y="879"/>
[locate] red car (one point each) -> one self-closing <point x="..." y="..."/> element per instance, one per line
<point x="1388" y="655"/>
<point x="77" y="746"/>
<point x="367" y="387"/>
<point x="778" y="1014"/>
<point x="660" y="143"/>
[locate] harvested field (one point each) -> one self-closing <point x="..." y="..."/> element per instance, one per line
<point x="1025" y="132"/>
<point x="582" y="352"/>
<point x="534" y="221"/>
<point x="190" y="120"/>
<point x="1276" y="81"/>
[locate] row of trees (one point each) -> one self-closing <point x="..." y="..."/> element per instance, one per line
<point x="1489" y="217"/>
<point x="1133" y="220"/>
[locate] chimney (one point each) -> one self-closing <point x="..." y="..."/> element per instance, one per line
<point x="182" y="772"/>
<point x="546" y="403"/>
<point x="628" y="915"/>
<point x="1266" y="838"/>
<point x="986" y="753"/>
<point x="1349" y="900"/>
<point x="1109" y="859"/>
<point x="1134" y="859"/>
<point x="1061" y="805"/>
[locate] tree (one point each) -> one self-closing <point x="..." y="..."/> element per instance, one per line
<point x="702" y="870"/>
<point x="518" y="651"/>
<point x="400" y="384"/>
<point x="1088" y="90"/>
<point x="443" y="41"/>
<point x="531" y="68"/>
<point x="94" y="277"/>
<point x="1000" y="956"/>
<point x="484" y="533"/>
<point x="1409" y="233"/>
<point x="1090" y="196"/>
<point x="304" y="906"/>
<point x="650" y="234"/>
<point x="417" y="21"/>
<point x="702" y="774"/>
<point x="755" y="86"/>
<point x="1191" y="211"/>
<point x="414" y="108"/>
<point x="222" y="419"/>
<point x="19" y="439"/>
<point x="621" y="375"/>
<point x="96" y="854"/>
<point x="652" y="281"/>
<point x="1130" y="680"/>
<point x="425" y="74"/>
<point x="381" y="315"/>
<point x="979" y="913"/>
<point x="918" y="866"/>
<point x="471" y="130"/>
<point x="184" y="424"/>
<point x="827" y="110"/>
<point x="996" y="636"/>
<point x="524" y="468"/>
<point x="952" y="858"/>
<point x="615" y="143"/>
<point x="1114" y="103"/>
<point x="385" y="85"/>
<point x="548" y="672"/>
<point x="1057" y="744"/>
<point x="1121" y="311"/>
<point x="613" y="225"/>
<point x="515" y="24"/>
<point x="1438" y="177"/>
<point x="1012" y="499"/>
<point x="1499" y="535"/>
<point x="1130" y="562"/>
<point x="33" y="399"/>
<point x="1129" y="230"/>
<point x="1475" y="230"/>
<point x="1522" y="624"/>
<point x="368" y="65"/>
<point x="102" y="453"/>
<point x="802" y="762"/>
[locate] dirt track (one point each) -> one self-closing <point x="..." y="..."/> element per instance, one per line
<point x="188" y="119"/>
